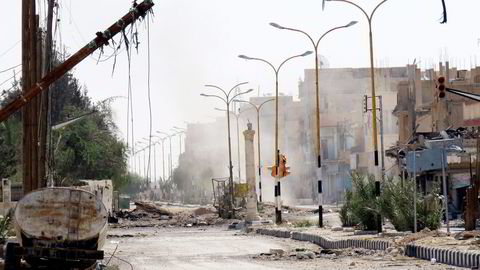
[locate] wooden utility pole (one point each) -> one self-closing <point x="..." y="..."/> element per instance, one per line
<point x="33" y="117"/>
<point x="29" y="74"/>
<point x="34" y="84"/>
<point x="471" y="207"/>
<point x="45" y="99"/>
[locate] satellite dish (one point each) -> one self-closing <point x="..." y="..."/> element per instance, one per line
<point x="323" y="62"/>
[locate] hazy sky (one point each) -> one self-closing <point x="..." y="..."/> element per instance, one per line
<point x="196" y="42"/>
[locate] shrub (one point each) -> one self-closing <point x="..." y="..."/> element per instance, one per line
<point x="5" y="227"/>
<point x="302" y="223"/>
<point x="346" y="216"/>
<point x="360" y="204"/>
<point x="395" y="203"/>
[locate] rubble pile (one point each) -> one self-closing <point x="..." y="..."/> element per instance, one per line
<point x="149" y="214"/>
<point x="307" y="254"/>
<point x="267" y="211"/>
<point x="420" y="235"/>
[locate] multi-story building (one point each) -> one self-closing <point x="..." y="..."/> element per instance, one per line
<point x="346" y="132"/>
<point x="420" y="111"/>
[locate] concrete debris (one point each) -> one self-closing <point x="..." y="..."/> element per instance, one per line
<point x="152" y="208"/>
<point x="420" y="235"/>
<point x="203" y="211"/>
<point x="149" y="214"/>
<point x="337" y="229"/>
<point x="306" y="254"/>
<point x="395" y="251"/>
<point x="279" y="252"/>
<point x="467" y="235"/>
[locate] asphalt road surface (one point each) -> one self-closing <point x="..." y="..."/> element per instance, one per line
<point x="217" y="248"/>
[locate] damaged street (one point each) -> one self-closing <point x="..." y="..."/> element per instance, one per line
<point x="175" y="236"/>
<point x="216" y="247"/>
<point x="221" y="134"/>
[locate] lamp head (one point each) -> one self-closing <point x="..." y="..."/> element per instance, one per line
<point x="276" y="25"/>
<point x="306" y="53"/>
<point x="351" y="23"/>
<point x="244" y="57"/>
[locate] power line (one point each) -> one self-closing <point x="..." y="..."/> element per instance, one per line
<point x="11" y="48"/>
<point x="7" y="80"/>
<point x="2" y="71"/>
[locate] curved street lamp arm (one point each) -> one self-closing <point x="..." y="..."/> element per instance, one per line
<point x="326" y="33"/>
<point x="351" y="3"/>
<point x="164" y="133"/>
<point x="263" y="103"/>
<point x="303" y="32"/>
<point x="205" y="95"/>
<point x="239" y="84"/>
<point x="290" y="58"/>
<point x="241" y="93"/>
<point x="230" y="112"/>
<point x="178" y="128"/>
<point x="265" y="61"/>
<point x="141" y="150"/>
<point x="247" y="109"/>
<point x="245" y="101"/>
<point x="214" y="86"/>
<point x="375" y="9"/>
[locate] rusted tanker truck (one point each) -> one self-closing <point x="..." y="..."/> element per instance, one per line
<point x="58" y="228"/>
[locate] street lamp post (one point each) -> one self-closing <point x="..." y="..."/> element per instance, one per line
<point x="278" y="205"/>
<point x="139" y="171"/>
<point x="163" y="158"/>
<point x="237" y="116"/>
<point x="317" y="100"/>
<point x="144" y="159"/>
<point x="155" y="156"/>
<point x="374" y="102"/>
<point x="180" y="132"/>
<point x="372" y="74"/>
<point x="169" y="136"/>
<point x="257" y="108"/>
<point x="227" y="99"/>
<point x="149" y="164"/>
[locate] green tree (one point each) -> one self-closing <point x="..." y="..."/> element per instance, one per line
<point x="87" y="149"/>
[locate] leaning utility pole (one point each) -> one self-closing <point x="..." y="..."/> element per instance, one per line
<point x="33" y="84"/>
<point x="102" y="39"/>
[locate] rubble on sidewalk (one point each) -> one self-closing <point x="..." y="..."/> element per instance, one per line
<point x="309" y="254"/>
<point x="420" y="235"/>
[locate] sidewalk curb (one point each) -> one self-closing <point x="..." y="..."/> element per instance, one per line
<point x="458" y="258"/>
<point x="442" y="255"/>
<point x="326" y="242"/>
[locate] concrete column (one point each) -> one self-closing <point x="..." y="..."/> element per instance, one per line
<point x="7" y="190"/>
<point x="7" y="196"/>
<point x="252" y="214"/>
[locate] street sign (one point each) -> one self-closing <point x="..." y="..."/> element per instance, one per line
<point x="426" y="160"/>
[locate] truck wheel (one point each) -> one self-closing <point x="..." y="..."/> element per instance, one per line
<point x="12" y="260"/>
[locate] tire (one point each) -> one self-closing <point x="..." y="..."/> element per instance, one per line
<point x="12" y="261"/>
